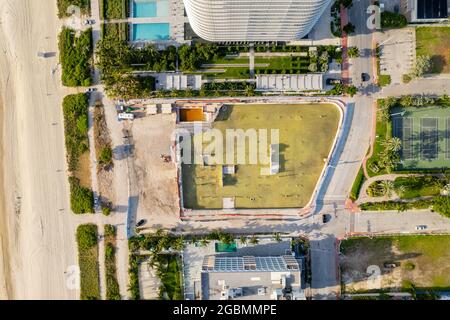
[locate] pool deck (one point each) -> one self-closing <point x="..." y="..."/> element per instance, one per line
<point x="176" y="19"/>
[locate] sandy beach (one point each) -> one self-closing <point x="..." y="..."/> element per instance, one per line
<point x="5" y="279"/>
<point x="37" y="229"/>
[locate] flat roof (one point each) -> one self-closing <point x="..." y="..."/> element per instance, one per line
<point x="290" y="82"/>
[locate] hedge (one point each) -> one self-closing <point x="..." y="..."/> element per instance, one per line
<point x="75" y="56"/>
<point x="87" y="236"/>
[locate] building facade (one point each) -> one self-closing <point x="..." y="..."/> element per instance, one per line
<point x="253" y="21"/>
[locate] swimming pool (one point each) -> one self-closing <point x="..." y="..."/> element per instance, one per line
<point x="151" y="31"/>
<point x="150" y="8"/>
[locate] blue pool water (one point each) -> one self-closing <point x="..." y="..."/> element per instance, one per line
<point x="151" y="31"/>
<point x="150" y="8"/>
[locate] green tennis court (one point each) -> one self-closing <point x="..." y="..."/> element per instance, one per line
<point x="425" y="135"/>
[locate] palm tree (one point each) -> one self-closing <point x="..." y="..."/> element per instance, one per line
<point x="277" y="237"/>
<point x="254" y="240"/>
<point x="400" y="190"/>
<point x="178" y="244"/>
<point x="204" y="241"/>
<point x="387" y="187"/>
<point x="243" y="240"/>
<point x="194" y="240"/>
<point x="392" y="144"/>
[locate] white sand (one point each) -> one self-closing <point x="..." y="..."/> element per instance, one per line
<point x="41" y="237"/>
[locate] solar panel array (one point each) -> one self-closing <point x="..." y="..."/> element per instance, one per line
<point x="238" y="264"/>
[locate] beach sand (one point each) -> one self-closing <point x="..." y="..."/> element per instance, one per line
<point x="40" y="231"/>
<point x="5" y="278"/>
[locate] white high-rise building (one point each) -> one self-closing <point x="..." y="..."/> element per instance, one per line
<point x="253" y="20"/>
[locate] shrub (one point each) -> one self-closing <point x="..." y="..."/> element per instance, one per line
<point x="88" y="261"/>
<point x="384" y="80"/>
<point x="106" y="211"/>
<point x="64" y="5"/>
<point x="110" y="230"/>
<point x="406" y="78"/>
<point x="423" y="65"/>
<point x="87" y="236"/>
<point x="75" y="54"/>
<point x="441" y="204"/>
<point x="353" y="52"/>
<point x="81" y="199"/>
<point x="105" y="157"/>
<point x="393" y="20"/>
<point x="75" y="108"/>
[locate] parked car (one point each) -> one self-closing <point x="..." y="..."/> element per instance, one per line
<point x="88" y="22"/>
<point x="390" y="265"/>
<point x="326" y="217"/>
<point x="96" y="202"/>
<point x="365" y="77"/>
<point x="421" y="227"/>
<point x="333" y="81"/>
<point x="90" y="90"/>
<point x="140" y="223"/>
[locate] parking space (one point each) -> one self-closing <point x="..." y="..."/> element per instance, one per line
<point x="397" y="49"/>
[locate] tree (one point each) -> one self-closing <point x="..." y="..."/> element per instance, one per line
<point x="204" y="241"/>
<point x="351" y="90"/>
<point x="392" y="144"/>
<point x="254" y="240"/>
<point x="178" y="244"/>
<point x="87" y="236"/>
<point x="423" y="65"/>
<point x="387" y="187"/>
<point x="313" y="67"/>
<point x="349" y="28"/>
<point x="393" y="20"/>
<point x="105" y="155"/>
<point x="353" y="52"/>
<point x="243" y="240"/>
<point x="277" y="237"/>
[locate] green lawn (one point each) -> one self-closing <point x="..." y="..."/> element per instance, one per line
<point x="306" y="134"/>
<point x="276" y="65"/>
<point x="170" y="274"/>
<point x="435" y="41"/>
<point x="424" y="261"/>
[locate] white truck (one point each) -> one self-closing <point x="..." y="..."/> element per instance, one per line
<point x="125" y="116"/>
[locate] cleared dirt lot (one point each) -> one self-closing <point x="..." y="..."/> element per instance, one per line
<point x="423" y="261"/>
<point x="156" y="180"/>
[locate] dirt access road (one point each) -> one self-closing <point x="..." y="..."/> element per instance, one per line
<point x="40" y="226"/>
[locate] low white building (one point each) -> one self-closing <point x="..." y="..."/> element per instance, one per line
<point x="290" y="82"/>
<point x="177" y="81"/>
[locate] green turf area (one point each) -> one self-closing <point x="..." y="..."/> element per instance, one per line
<point x="425" y="135"/>
<point x="435" y="42"/>
<point x="88" y="262"/>
<point x="423" y="261"/>
<point x="169" y="272"/>
<point x="306" y="134"/>
<point x="275" y="65"/>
